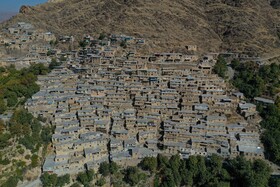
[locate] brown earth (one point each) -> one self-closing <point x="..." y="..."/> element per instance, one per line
<point x="213" y="25"/>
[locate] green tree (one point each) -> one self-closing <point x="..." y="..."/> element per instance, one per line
<point x="11" y="182"/>
<point x="63" y="180"/>
<point x="235" y="63"/>
<point x="274" y="182"/>
<point x="34" y="161"/>
<point x="123" y="44"/>
<point x="114" y="168"/>
<point x="54" y="63"/>
<point x="38" y="69"/>
<point x="215" y="164"/>
<point x="270" y="137"/>
<point x="239" y="168"/>
<point x="46" y="134"/>
<point x="118" y="179"/>
<point x="2" y="70"/>
<point x="83" y="43"/>
<point x="167" y="178"/>
<point x="162" y="161"/>
<point x="184" y="173"/>
<point x="83" y="178"/>
<point x="220" y="67"/>
<point x="2" y="126"/>
<point x="191" y="164"/>
<point x="149" y="163"/>
<point x="48" y="180"/>
<point x="133" y="176"/>
<point x="4" y="140"/>
<point x="254" y="81"/>
<point x="53" y="42"/>
<point x="5" y="161"/>
<point x="22" y="117"/>
<point x="104" y="169"/>
<point x="175" y="162"/>
<point x="101" y="182"/>
<point x="12" y="99"/>
<point x="260" y="175"/>
<point x="277" y="102"/>
<point x="90" y="174"/>
<point x="20" y="123"/>
<point x="102" y="36"/>
<point x="203" y="175"/>
<point x="49" y="53"/>
<point x="156" y="181"/>
<point x="3" y="106"/>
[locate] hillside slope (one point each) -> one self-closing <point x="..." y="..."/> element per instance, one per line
<point x="6" y="15"/>
<point x="213" y="25"/>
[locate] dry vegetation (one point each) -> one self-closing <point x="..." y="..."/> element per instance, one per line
<point x="240" y="25"/>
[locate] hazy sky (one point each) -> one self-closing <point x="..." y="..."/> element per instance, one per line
<point x="14" y="5"/>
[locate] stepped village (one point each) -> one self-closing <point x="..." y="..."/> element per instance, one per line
<point x="22" y="45"/>
<point x="109" y="102"/>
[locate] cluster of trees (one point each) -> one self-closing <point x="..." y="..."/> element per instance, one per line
<point x="15" y="87"/>
<point x="49" y="180"/>
<point x="54" y="63"/>
<point x="20" y="170"/>
<point x="133" y="175"/>
<point x="18" y="85"/>
<point x="220" y="67"/>
<point x="197" y="171"/>
<point x="11" y="182"/>
<point x="254" y="81"/>
<point x="27" y="130"/>
<point x="120" y="176"/>
<point x="106" y="169"/>
<point x="162" y="171"/>
<point x="271" y="135"/>
<point x="4" y="140"/>
<point x="86" y="177"/>
<point x="203" y="171"/>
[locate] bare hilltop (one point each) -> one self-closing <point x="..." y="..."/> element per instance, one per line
<point x="213" y="25"/>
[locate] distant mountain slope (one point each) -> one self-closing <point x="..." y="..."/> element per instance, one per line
<point x="214" y="25"/>
<point x="6" y="15"/>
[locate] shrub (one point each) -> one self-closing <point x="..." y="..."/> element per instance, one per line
<point x="21" y="151"/>
<point x="101" y="182"/>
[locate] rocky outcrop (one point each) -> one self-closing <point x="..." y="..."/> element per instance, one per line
<point x="24" y="9"/>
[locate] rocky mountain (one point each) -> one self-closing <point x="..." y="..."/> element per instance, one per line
<point x="212" y="25"/>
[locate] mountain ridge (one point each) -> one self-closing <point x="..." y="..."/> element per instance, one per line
<point x="212" y="25"/>
<point x="6" y="15"/>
